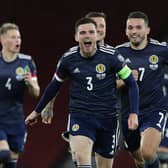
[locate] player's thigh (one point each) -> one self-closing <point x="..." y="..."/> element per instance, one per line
<point x="81" y="143"/>
<point x="150" y="140"/>
<point x="102" y="162"/>
<point x="15" y="155"/>
<point x="4" y="145"/>
<point x="3" y="140"/>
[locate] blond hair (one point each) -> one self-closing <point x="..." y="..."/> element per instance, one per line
<point x="7" y="26"/>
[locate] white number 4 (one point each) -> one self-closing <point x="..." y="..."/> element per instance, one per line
<point x="8" y="84"/>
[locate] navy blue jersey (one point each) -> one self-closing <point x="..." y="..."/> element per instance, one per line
<point x="150" y="63"/>
<point x="93" y="88"/>
<point x="12" y="87"/>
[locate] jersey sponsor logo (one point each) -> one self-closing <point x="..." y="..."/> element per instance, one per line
<point x="75" y="127"/>
<point x="127" y="60"/>
<point x="100" y="69"/>
<point x="19" y="73"/>
<point x="153" y="59"/>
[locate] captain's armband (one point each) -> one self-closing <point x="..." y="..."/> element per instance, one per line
<point x="124" y="72"/>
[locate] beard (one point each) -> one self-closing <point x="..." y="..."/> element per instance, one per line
<point x="137" y="43"/>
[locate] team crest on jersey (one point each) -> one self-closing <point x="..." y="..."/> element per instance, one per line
<point x="75" y="127"/>
<point x="153" y="59"/>
<point x="100" y="69"/>
<point x="19" y="73"/>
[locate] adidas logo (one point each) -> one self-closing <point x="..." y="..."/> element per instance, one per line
<point x="76" y="70"/>
<point x="127" y="60"/>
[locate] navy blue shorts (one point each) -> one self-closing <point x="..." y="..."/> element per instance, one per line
<point x="102" y="131"/>
<point x="132" y="138"/>
<point x="14" y="134"/>
<point x="164" y="141"/>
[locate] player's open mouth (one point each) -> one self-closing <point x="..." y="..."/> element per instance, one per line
<point x="17" y="46"/>
<point x="88" y="43"/>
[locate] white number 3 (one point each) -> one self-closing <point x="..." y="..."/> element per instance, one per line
<point x="89" y="83"/>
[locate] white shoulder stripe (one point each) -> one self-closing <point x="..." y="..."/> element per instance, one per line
<point x="127" y="44"/>
<point x="108" y="51"/>
<point x="156" y="42"/>
<point x="73" y="48"/>
<point x="23" y="56"/>
<point x="58" y="78"/>
<point x="110" y="48"/>
<point x="71" y="51"/>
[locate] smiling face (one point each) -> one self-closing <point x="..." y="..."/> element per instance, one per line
<point x="101" y="28"/>
<point x="11" y="41"/>
<point x="86" y="36"/>
<point x="137" y="32"/>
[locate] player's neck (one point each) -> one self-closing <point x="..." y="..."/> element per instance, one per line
<point x="8" y="56"/>
<point x="88" y="55"/>
<point x="101" y="43"/>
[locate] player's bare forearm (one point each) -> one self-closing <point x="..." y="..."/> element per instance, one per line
<point x="133" y="121"/>
<point x="47" y="113"/>
<point x="34" y="89"/>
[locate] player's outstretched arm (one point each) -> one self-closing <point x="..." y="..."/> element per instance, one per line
<point x="49" y="93"/>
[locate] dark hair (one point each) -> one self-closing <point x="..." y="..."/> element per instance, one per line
<point x="96" y="14"/>
<point x="84" y="20"/>
<point x="140" y="15"/>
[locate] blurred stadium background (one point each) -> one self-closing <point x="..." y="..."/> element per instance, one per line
<point x="47" y="29"/>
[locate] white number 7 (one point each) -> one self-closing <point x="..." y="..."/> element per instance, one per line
<point x="142" y="71"/>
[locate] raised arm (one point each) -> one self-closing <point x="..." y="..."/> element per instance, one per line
<point x="48" y="94"/>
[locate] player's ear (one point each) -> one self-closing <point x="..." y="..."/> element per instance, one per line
<point x="1" y="38"/>
<point x="126" y="33"/>
<point x="76" y="37"/>
<point x="148" y="30"/>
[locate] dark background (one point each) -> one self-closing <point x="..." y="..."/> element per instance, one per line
<point x="47" y="28"/>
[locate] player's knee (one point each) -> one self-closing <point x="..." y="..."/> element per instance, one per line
<point x="14" y="155"/>
<point x="81" y="157"/>
<point x="148" y="154"/>
<point x="4" y="156"/>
